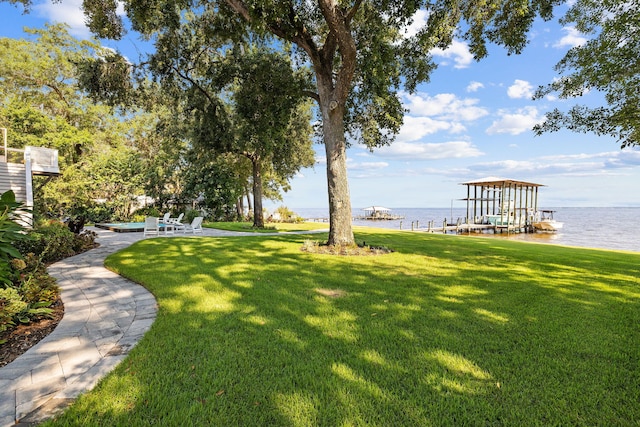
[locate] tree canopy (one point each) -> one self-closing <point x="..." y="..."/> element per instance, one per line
<point x="609" y="63"/>
<point x="43" y="105"/>
<point x="245" y="99"/>
<point x="360" y="52"/>
<point x="253" y="106"/>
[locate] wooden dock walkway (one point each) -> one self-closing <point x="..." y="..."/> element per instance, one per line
<point x="464" y="228"/>
<point x="457" y="228"/>
<point x="444" y="227"/>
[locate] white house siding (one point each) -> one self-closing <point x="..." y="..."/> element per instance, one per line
<point x="13" y="176"/>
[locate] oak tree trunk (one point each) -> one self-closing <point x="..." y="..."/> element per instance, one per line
<point x="258" y="217"/>
<point x="340" y="230"/>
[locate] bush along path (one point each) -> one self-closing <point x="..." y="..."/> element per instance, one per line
<point x="30" y="301"/>
<point x="105" y="317"/>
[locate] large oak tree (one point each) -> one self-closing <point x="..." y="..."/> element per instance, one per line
<point x="359" y="50"/>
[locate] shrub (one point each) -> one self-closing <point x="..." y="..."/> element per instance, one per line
<point x="5" y="272"/>
<point x="53" y="241"/>
<point x="11" y="304"/>
<point x="94" y="214"/>
<point x="138" y="218"/>
<point x="145" y="212"/>
<point x="99" y="214"/>
<point x="10" y="233"/>
<point x="36" y="286"/>
<point x="27" y="289"/>
<point x="284" y="214"/>
<point x="84" y="241"/>
<point x="190" y="215"/>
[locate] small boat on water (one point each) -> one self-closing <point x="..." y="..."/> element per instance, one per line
<point x="503" y="220"/>
<point x="543" y="221"/>
<point x="379" y="213"/>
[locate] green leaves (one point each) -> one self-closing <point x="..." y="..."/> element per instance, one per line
<point x="107" y="78"/>
<point x="103" y="19"/>
<point x="10" y="231"/>
<point x="607" y="63"/>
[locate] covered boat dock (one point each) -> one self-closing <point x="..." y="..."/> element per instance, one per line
<point x="378" y="213"/>
<point x="501" y="204"/>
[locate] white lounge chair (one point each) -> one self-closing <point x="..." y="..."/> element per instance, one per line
<point x="166" y="218"/>
<point x="194" y="227"/>
<point x="152" y="226"/>
<point x="176" y="220"/>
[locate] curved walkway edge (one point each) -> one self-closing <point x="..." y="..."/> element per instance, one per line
<point x="105" y="316"/>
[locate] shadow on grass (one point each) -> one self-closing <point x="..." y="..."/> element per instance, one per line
<point x="445" y="331"/>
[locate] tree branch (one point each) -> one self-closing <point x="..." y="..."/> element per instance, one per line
<point x="300" y="36"/>
<point x="353" y="11"/>
<point x="194" y="83"/>
<point x="57" y="90"/>
<point x="240" y="8"/>
<point x="338" y="24"/>
<point x="312" y="95"/>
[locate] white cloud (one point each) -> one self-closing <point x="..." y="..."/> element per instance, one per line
<point x="415" y="128"/>
<point x="520" y="89"/>
<point x="68" y="12"/>
<point x="573" y="38"/>
<point x="627" y="158"/>
<point x="624" y="158"/>
<point x="366" y="166"/>
<point x="419" y="20"/>
<point x="363" y="153"/>
<point x="443" y="112"/>
<point x="458" y="51"/>
<point x="536" y="168"/>
<point x="515" y="123"/>
<point x="431" y="114"/>
<point x="444" y="106"/>
<point x="429" y="151"/>
<point x="576" y="165"/>
<point x="474" y="86"/>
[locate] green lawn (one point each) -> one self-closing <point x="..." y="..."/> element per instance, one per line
<point x="447" y="330"/>
<point x="269" y="227"/>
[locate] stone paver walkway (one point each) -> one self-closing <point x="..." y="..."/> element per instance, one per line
<point x="105" y="316"/>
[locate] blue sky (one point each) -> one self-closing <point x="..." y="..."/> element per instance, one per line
<point x="473" y="120"/>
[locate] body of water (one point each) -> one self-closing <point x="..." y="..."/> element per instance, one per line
<point x="605" y="228"/>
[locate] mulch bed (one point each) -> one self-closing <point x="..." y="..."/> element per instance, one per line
<point x="23" y="337"/>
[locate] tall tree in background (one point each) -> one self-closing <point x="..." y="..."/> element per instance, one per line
<point x="41" y="101"/>
<point x="359" y="51"/>
<point x="237" y="99"/>
<point x="43" y="105"/>
<point x="609" y="63"/>
<point x="272" y="124"/>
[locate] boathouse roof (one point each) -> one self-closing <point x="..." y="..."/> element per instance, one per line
<point x="376" y="209"/>
<point x="501" y="182"/>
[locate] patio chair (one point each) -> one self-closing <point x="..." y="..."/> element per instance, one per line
<point x="166" y="218"/>
<point x="194" y="227"/>
<point x="151" y="226"/>
<point x="176" y="220"/>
